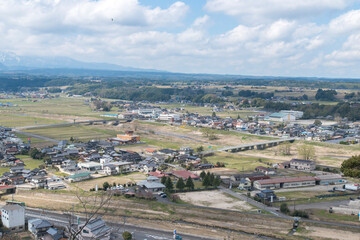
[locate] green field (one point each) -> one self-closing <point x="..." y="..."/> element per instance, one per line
<point x="236" y="161"/>
<point x="25" y="138"/>
<point x="76" y="131"/>
<point x="20" y="120"/>
<point x="56" y="106"/>
<point x="29" y="163"/>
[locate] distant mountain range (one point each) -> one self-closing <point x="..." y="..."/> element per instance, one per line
<point x="9" y="61"/>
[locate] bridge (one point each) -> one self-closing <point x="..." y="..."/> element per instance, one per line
<point x="251" y="146"/>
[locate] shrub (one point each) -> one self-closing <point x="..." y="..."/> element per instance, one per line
<point x="126" y="235"/>
<point x="284" y="208"/>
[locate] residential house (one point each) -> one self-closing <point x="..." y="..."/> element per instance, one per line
<point x="185" y="175"/>
<point x="38" y="181"/>
<point x="94" y="229"/>
<point x="267" y="195"/>
<point x="265" y="170"/>
<point x="244" y="184"/>
<point x="303" y="165"/>
<point x="151" y="184"/>
<point x="39" y="227"/>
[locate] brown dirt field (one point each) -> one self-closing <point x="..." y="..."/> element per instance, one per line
<point x="329" y="154"/>
<point x="215" y="199"/>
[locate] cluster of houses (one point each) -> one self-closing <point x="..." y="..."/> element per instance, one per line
<point x="10" y="145"/>
<point x="14" y="219"/>
<point x="282" y="124"/>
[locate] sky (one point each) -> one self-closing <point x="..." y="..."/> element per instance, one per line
<point x="310" y="38"/>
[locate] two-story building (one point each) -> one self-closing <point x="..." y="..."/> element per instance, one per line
<point x="303" y="165"/>
<point x="13" y="217"/>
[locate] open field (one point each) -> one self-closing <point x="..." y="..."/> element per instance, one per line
<point x="326" y="153"/>
<point x="216" y="199"/>
<point x="29" y="162"/>
<point x="55" y="106"/>
<point x="80" y="132"/>
<point x="25" y="138"/>
<point x="321" y="214"/>
<point x="238" y="162"/>
<point x="20" y="120"/>
<point x="122" y="179"/>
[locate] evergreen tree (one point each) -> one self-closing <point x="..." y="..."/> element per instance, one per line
<point x="189" y="183"/>
<point x="169" y="184"/>
<point x="202" y="174"/>
<point x="163" y="180"/>
<point x="180" y="184"/>
<point x="217" y="181"/>
<point x="206" y="181"/>
<point x="211" y="179"/>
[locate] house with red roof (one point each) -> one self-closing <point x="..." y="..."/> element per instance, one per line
<point x="185" y="175"/>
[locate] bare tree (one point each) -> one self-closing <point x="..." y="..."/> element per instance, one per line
<point x="285" y="149"/>
<point x="307" y="152"/>
<point x="91" y="206"/>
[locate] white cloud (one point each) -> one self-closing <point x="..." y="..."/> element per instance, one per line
<point x="280" y="34"/>
<point x="279" y="29"/>
<point x="274" y="9"/>
<point x="350" y="21"/>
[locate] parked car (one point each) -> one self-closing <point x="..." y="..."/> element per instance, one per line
<point x="160" y="193"/>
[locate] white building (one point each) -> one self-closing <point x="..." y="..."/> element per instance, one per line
<point x="13" y="217"/>
<point x="169" y="117"/>
<point x="148" y="112"/>
<point x="90" y="166"/>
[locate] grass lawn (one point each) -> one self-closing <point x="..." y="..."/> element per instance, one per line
<point x="3" y="170"/>
<point x="299" y="194"/>
<point x="162" y="144"/>
<point x="75" y="131"/>
<point x="236" y="161"/>
<point x="29" y="162"/>
<point x="305" y="200"/>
